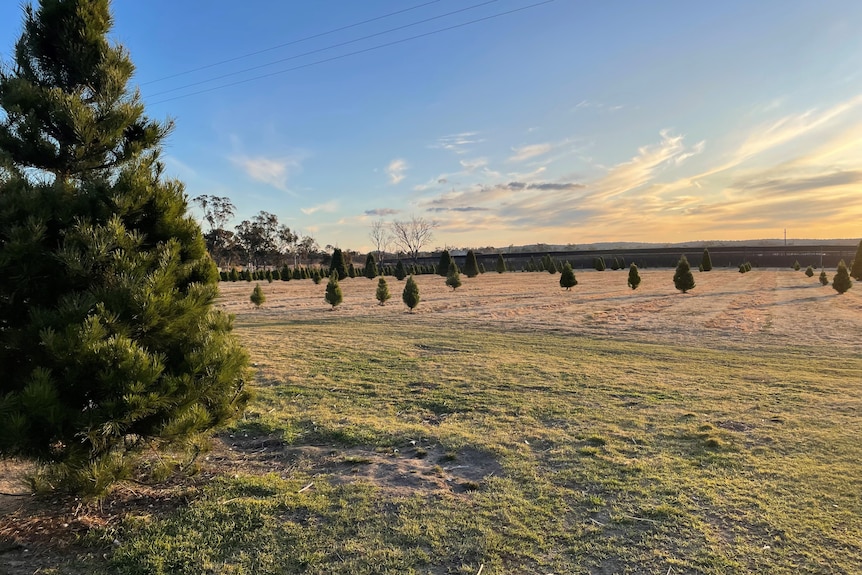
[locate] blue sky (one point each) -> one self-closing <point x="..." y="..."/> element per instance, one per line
<point x="568" y="122"/>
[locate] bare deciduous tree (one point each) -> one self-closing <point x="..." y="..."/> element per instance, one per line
<point x="381" y="237"/>
<point x="410" y="235"/>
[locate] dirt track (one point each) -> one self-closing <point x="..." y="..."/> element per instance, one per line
<point x="762" y="307"/>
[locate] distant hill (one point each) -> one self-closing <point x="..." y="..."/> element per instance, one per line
<point x="601" y="246"/>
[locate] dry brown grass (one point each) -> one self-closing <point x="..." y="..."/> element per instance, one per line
<point x="763" y="307"/>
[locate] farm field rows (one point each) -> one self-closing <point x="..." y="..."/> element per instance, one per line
<point x="513" y="427"/>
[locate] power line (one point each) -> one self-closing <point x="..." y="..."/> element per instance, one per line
<point x="342" y="56"/>
<point x="324" y="49"/>
<point x="291" y="43"/>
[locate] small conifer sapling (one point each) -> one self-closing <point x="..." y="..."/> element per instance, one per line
<point x="567" y="277"/>
<point x="382" y="293"/>
<point x="809" y="271"/>
<point x="824" y="281"/>
<point x="257" y="296"/>
<point x="634" y="277"/>
<point x="453" y="279"/>
<point x="683" y="278"/>
<point x="841" y="280"/>
<point x="410" y="295"/>
<point x="333" y="294"/>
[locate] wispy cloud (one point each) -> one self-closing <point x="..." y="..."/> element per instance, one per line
<point x="328" y="207"/>
<point x="382" y="212"/>
<point x="395" y="170"/>
<point x="457" y="143"/>
<point x="271" y="171"/>
<point x="526" y="152"/>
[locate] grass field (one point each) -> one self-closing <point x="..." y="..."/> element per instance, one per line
<point x="387" y="442"/>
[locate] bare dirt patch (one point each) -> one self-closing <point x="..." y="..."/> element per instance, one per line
<point x="417" y="467"/>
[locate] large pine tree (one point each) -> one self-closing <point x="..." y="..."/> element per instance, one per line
<point x="108" y="336"/>
<point x="370" y="270"/>
<point x="338" y="264"/>
<point x="567" y="278"/>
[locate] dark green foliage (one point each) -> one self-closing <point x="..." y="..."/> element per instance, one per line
<point x="809" y="271"/>
<point x="823" y="279"/>
<point x="796" y="265"/>
<point x="268" y="276"/>
<point x="317" y="277"/>
<point x="742" y="268"/>
<point x="531" y="266"/>
<point x="246" y="275"/>
<point x="382" y="293"/>
<point x="370" y="270"/>
<point x="501" y="264"/>
<point x="400" y="271"/>
<point x="333" y="291"/>
<point x="257" y="296"/>
<point x="233" y="275"/>
<point x="297" y="274"/>
<point x="109" y="340"/>
<point x="599" y="264"/>
<point x="351" y="270"/>
<point x="615" y="264"/>
<point x="481" y="268"/>
<point x="706" y="262"/>
<point x="634" y="277"/>
<point x="286" y="274"/>
<point x="410" y="295"/>
<point x="748" y="266"/>
<point x="841" y="280"/>
<point x="471" y="266"/>
<point x="443" y="265"/>
<point x="453" y="278"/>
<point x="682" y="278"/>
<point x="856" y="264"/>
<point x="222" y="276"/>
<point x="338" y="264"/>
<point x="567" y="277"/>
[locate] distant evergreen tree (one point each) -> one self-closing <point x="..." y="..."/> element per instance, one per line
<point x="247" y="275"/>
<point x="268" y="276"/>
<point x="567" y="277"/>
<point x="482" y="268"/>
<point x="796" y="265"/>
<point x="823" y="279"/>
<point x="333" y="291"/>
<point x="856" y="264"/>
<point x="371" y="270"/>
<point x="382" y="293"/>
<point x="351" y="270"/>
<point x="742" y="268"/>
<point x="501" y="264"/>
<point x="706" y="262"/>
<point x="748" y="266"/>
<point x="682" y="278"/>
<point x="443" y="265"/>
<point x="634" y="277"/>
<point x="841" y="280"/>
<point x="233" y="275"/>
<point x="317" y="277"/>
<point x="297" y="273"/>
<point x="809" y="271"/>
<point x="257" y="296"/>
<point x="338" y="264"/>
<point x="400" y="271"/>
<point x="471" y="266"/>
<point x="453" y="278"/>
<point x="599" y="264"/>
<point x="410" y="295"/>
<point x="615" y="264"/>
<point x="286" y="274"/>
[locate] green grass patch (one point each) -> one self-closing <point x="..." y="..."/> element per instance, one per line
<point x="608" y="456"/>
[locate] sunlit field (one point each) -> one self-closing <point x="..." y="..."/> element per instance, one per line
<point x="513" y="427"/>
